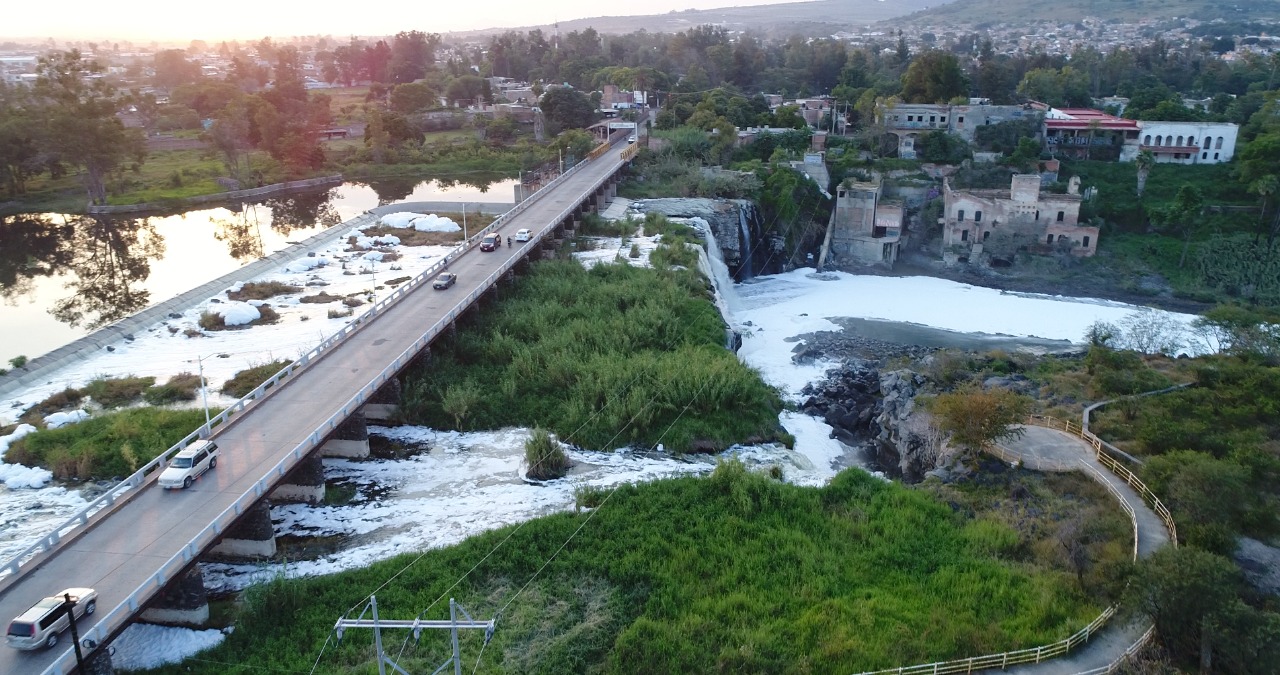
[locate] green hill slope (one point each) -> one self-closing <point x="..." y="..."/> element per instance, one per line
<point x="1018" y="11"/>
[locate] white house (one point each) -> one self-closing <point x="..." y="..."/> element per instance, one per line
<point x="1188" y="142"/>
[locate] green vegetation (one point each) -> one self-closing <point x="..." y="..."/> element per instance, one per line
<point x="976" y="416"/>
<point x="113" y="392"/>
<point x="180" y="387"/>
<point x="248" y="379"/>
<point x="261" y="290"/>
<point x="588" y="353"/>
<point x="107" y="446"/>
<point x="732" y="573"/>
<point x="544" y="457"/>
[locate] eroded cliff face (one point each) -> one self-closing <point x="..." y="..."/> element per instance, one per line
<point x="734" y="222"/>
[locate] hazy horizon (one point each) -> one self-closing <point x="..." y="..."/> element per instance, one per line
<point x="151" y="20"/>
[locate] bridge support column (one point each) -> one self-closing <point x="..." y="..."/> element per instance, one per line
<point x="305" y="483"/>
<point x="350" y="439"/>
<point x="251" y="537"/>
<point x="99" y="662"/>
<point x="385" y="402"/>
<point x="183" y="602"/>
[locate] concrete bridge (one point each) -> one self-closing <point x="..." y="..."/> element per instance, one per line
<point x="139" y="545"/>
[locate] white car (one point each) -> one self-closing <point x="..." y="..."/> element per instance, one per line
<point x="39" y="626"/>
<point x="187" y="465"/>
<point x="524" y="235"/>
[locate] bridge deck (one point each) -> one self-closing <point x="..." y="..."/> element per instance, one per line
<point x="119" y="554"/>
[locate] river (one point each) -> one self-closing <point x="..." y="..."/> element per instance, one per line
<point x="63" y="276"/>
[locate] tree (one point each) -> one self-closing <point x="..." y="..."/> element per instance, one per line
<point x="81" y="120"/>
<point x="173" y="69"/>
<point x="934" y="77"/>
<point x="19" y="133"/>
<point x="412" y="53"/>
<point x="465" y="90"/>
<point x="1146" y="159"/>
<point x="942" y="147"/>
<point x="460" y="400"/>
<point x="410" y="98"/>
<point x="976" y="417"/>
<point x="1183" y="216"/>
<point x="566" y="108"/>
<point x="788" y="117"/>
<point x="1186" y="591"/>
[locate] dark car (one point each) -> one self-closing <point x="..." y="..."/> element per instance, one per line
<point x="491" y="242"/>
<point x="444" y="280"/>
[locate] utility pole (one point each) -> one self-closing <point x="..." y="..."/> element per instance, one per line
<point x="75" y="633"/>
<point x="416" y="625"/>
<point x="204" y="391"/>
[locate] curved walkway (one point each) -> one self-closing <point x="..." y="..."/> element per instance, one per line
<point x="1046" y="449"/>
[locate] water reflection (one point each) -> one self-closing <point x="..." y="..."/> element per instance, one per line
<point x="31" y="246"/>
<point x="110" y="260"/>
<point x="241" y="231"/>
<point x="302" y="210"/>
<point x="392" y="189"/>
<point x="63" y="276"/>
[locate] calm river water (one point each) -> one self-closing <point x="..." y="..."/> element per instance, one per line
<point x="62" y="276"/>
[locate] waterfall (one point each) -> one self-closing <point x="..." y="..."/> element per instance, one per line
<point x="744" y="261"/>
<point x="712" y="262"/>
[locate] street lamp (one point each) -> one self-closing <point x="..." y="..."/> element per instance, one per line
<point x="204" y="391"/>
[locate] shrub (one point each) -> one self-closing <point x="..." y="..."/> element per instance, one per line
<point x="18" y="361"/>
<point x="67" y="398"/>
<point x="248" y="379"/>
<point x="180" y="387"/>
<point x="320" y="298"/>
<point x="113" y="392"/>
<point x="211" y="321"/>
<point x="339" y="313"/>
<point x="635" y="251"/>
<point x="544" y="456"/>
<point x="261" y="290"/>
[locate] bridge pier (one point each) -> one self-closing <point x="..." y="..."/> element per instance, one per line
<point x="384" y="405"/>
<point x="350" y="439"/>
<point x="250" y="537"/>
<point x="305" y="483"/>
<point x="183" y="602"/>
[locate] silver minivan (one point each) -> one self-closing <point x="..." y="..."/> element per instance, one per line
<point x="40" y="626"/>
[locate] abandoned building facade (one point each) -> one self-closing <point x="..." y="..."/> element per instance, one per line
<point x="1000" y="223"/>
<point x="865" y="227"/>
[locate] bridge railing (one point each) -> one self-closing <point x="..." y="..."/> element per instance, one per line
<point x="118" y="617"/>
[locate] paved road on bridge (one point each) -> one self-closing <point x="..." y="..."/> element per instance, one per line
<point x="119" y="554"/>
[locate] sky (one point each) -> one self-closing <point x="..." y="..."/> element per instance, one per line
<point x="147" y="20"/>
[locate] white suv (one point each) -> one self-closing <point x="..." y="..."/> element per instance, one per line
<point x="39" y="626"/>
<point x="187" y="465"/>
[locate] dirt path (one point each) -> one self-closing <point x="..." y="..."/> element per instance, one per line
<point x="1052" y="450"/>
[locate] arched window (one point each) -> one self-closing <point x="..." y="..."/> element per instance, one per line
<point x="1159" y="140"/>
<point x="1191" y="140"/>
<point x="1208" y="140"/>
<point x="1146" y="140"/>
<point x="1219" y="145"/>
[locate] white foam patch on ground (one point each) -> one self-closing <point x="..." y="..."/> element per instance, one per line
<point x="17" y="477"/>
<point x="776" y="310"/>
<point x="143" y="646"/>
<point x="463" y="484"/>
<point x="61" y="419"/>
<point x="420" y="222"/>
<point x="236" y="313"/>
<point x="30" y="514"/>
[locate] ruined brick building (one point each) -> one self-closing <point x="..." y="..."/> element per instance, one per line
<point x="1001" y="222"/>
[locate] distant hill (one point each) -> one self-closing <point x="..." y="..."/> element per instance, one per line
<point x="813" y="19"/>
<point x="973" y="12"/>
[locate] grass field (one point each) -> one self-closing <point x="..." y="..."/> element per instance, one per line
<point x="733" y="573"/>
